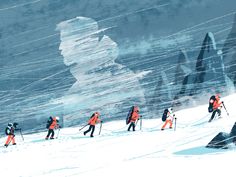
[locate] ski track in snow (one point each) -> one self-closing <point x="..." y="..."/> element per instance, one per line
<point x="74" y="154"/>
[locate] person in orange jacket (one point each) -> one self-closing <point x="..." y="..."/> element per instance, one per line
<point x="167" y="117"/>
<point x="133" y="118"/>
<point x="92" y="122"/>
<point x="52" y="124"/>
<point x="9" y="131"/>
<point x="217" y="105"/>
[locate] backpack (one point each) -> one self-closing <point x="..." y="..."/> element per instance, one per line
<point x="129" y="115"/>
<point x="92" y="116"/>
<point x="8" y="131"/>
<point x="49" y="122"/>
<point x="211" y="102"/>
<point x="164" y="116"/>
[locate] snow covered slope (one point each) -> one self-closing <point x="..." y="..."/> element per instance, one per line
<point x="116" y="152"/>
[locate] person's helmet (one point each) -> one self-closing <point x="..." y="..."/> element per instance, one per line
<point x="136" y="109"/>
<point x="10" y="124"/>
<point x="57" y="118"/>
<point x="217" y="96"/>
<point x="97" y="113"/>
<point x="170" y="110"/>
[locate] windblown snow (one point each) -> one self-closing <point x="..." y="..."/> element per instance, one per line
<point x="117" y="152"/>
<point x="102" y="84"/>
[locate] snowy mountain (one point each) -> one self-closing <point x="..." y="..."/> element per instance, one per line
<point x="117" y="152"/>
<point x="229" y="51"/>
<point x="183" y="69"/>
<point x="161" y="97"/>
<point x="209" y="75"/>
<point x="130" y="46"/>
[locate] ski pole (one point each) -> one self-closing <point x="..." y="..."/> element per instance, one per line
<point x="58" y="133"/>
<point x="175" y="124"/>
<point x="136" y="122"/>
<point x="83" y="127"/>
<point x="225" y="108"/>
<point x="141" y="122"/>
<point x="21" y="134"/>
<point x="100" y="128"/>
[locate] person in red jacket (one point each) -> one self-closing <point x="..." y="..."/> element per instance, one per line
<point x="51" y="125"/>
<point x="92" y="122"/>
<point x="133" y="118"/>
<point x="10" y="134"/>
<point x="217" y="105"/>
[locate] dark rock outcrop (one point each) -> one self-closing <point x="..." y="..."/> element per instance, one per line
<point x="222" y="139"/>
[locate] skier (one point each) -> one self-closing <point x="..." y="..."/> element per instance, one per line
<point x="167" y="117"/>
<point x="52" y="124"/>
<point x="133" y="118"/>
<point x="214" y="106"/>
<point x="92" y="122"/>
<point x="9" y="131"/>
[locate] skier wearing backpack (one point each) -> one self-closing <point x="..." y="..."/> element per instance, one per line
<point x="214" y="106"/>
<point x="52" y="124"/>
<point x="133" y="118"/>
<point x="9" y="131"/>
<point x="167" y="117"/>
<point x="92" y="122"/>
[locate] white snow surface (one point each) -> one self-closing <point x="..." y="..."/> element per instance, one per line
<point x="117" y="152"/>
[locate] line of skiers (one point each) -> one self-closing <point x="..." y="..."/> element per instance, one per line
<point x="168" y="117"/>
<point x="215" y="105"/>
